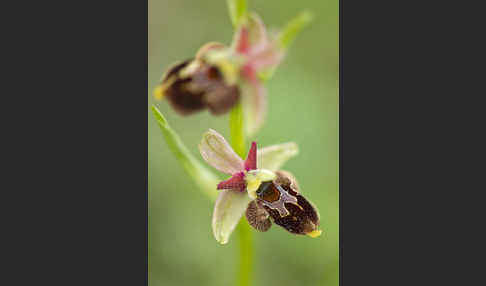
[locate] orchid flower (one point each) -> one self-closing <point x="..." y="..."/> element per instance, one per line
<point x="258" y="188"/>
<point x="219" y="76"/>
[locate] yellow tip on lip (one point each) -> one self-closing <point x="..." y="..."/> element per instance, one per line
<point x="158" y="92"/>
<point x="315" y="233"/>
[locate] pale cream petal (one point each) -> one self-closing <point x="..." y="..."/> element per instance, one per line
<point x="257" y="33"/>
<point x="273" y="157"/>
<point x="268" y="58"/>
<point x="254" y="102"/>
<point x="228" y="210"/>
<point x="219" y="154"/>
<point x="251" y="37"/>
<point x="211" y="46"/>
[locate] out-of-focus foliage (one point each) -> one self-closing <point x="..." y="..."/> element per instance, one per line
<point x="303" y="107"/>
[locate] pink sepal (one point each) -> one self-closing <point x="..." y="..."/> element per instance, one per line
<point x="251" y="160"/>
<point x="237" y="181"/>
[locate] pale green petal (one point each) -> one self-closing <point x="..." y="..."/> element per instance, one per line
<point x="293" y="28"/>
<point x="237" y="10"/>
<point x="287" y="35"/>
<point x="219" y="154"/>
<point x="257" y="31"/>
<point x="273" y="157"/>
<point x="228" y="210"/>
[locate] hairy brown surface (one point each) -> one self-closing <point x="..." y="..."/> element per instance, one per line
<point x="219" y="96"/>
<point x="301" y="220"/>
<point x="287" y="178"/>
<point x="183" y="101"/>
<point x="257" y="217"/>
<point x="203" y="88"/>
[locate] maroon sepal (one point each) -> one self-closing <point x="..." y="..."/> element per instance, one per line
<point x="251" y="160"/>
<point x="237" y="181"/>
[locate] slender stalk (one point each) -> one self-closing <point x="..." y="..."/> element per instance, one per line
<point x="237" y="131"/>
<point x="245" y="267"/>
<point x="245" y="271"/>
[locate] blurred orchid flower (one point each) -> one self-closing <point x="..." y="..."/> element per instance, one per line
<point x="261" y="54"/>
<point x="219" y="75"/>
<point x="265" y="195"/>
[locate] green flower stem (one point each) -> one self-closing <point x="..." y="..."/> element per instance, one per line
<point x="245" y="271"/>
<point x="245" y="268"/>
<point x="237" y="131"/>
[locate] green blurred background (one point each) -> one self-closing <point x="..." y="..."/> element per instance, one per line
<point x="303" y="107"/>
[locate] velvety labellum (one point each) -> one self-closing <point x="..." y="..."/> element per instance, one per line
<point x="194" y="85"/>
<point x="286" y="208"/>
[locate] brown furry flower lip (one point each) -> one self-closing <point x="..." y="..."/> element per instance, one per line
<point x="300" y="216"/>
<point x="194" y="85"/>
<point x="258" y="188"/>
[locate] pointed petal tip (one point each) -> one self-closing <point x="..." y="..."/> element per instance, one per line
<point x="222" y="241"/>
<point x="306" y="16"/>
<point x="251" y="160"/>
<point x="294" y="26"/>
<point x="228" y="210"/>
<point x="219" y="237"/>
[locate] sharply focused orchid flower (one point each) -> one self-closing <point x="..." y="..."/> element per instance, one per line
<point x="257" y="187"/>
<point x="220" y="76"/>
